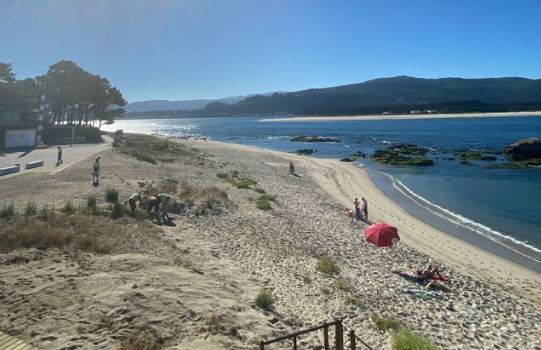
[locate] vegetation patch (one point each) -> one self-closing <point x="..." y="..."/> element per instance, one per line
<point x="145" y="340"/>
<point x="327" y="265"/>
<point x="342" y="283"/>
<point x="265" y="299"/>
<point x="202" y="200"/>
<point x="30" y="208"/>
<point x="385" y="323"/>
<point x="355" y="302"/>
<point x="91" y="205"/>
<point x="111" y="195"/>
<point x="405" y="339"/>
<point x="7" y="211"/>
<point x="153" y="149"/>
<point x="68" y="208"/>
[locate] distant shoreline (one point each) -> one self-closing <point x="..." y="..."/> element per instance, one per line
<point x="404" y="116"/>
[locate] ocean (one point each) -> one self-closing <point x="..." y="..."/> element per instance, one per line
<point x="480" y="205"/>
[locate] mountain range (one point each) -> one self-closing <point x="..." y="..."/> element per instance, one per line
<point x="400" y="94"/>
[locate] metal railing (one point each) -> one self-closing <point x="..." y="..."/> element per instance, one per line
<point x="338" y="335"/>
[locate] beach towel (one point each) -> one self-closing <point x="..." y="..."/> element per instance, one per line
<point x="423" y="294"/>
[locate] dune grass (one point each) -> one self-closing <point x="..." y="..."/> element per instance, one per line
<point x="405" y="339"/>
<point x="383" y="323"/>
<point x="327" y="265"/>
<point x="68" y="208"/>
<point x="265" y="299"/>
<point x="152" y="149"/>
<point x="30" y="208"/>
<point x="202" y="200"/>
<point x="342" y="283"/>
<point x="111" y="195"/>
<point x="7" y="211"/>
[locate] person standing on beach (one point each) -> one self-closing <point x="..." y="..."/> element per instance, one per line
<point x="291" y="168"/>
<point x="358" y="215"/>
<point x="365" y="208"/>
<point x="59" y="156"/>
<point x="96" y="171"/>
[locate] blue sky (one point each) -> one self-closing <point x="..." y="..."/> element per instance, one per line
<point x="187" y="49"/>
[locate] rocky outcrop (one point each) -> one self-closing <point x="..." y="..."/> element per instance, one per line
<point x="304" y="138"/>
<point x="524" y="149"/>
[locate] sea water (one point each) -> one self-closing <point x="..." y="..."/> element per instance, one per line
<point x="503" y="204"/>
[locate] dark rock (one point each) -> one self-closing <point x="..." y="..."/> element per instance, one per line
<point x="304" y="138"/>
<point x="304" y="151"/>
<point x="346" y="159"/>
<point x="524" y="149"/>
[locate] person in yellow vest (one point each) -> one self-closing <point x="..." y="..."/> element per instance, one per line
<point x="163" y="202"/>
<point x="134" y="198"/>
<point x="96" y="171"/>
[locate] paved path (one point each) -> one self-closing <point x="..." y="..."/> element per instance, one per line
<point x="70" y="155"/>
<point x="7" y="342"/>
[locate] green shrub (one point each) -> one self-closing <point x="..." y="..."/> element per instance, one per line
<point x="46" y="213"/>
<point x="30" y="208"/>
<point x="68" y="208"/>
<point x="91" y="205"/>
<point x="385" y="323"/>
<point x="327" y="266"/>
<point x="342" y="283"/>
<point x="405" y="339"/>
<point x="111" y="195"/>
<point x="263" y="205"/>
<point x="265" y="299"/>
<point x="8" y="210"/>
<point x="222" y="175"/>
<point x="117" y="210"/>
<point x="259" y="190"/>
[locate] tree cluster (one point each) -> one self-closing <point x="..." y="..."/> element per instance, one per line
<point x="73" y="95"/>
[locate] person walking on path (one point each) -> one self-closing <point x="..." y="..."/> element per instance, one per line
<point x="134" y="198"/>
<point x="59" y="156"/>
<point x="365" y="208"/>
<point x="358" y="215"/>
<point x="291" y="168"/>
<point x="96" y="171"/>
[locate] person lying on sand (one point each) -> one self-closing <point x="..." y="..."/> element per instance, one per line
<point x="430" y="273"/>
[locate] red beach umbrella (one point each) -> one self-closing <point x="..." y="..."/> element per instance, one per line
<point x="381" y="234"/>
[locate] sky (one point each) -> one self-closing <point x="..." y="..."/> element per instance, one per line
<point x="190" y="49"/>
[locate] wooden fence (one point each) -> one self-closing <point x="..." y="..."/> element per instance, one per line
<point x="338" y="336"/>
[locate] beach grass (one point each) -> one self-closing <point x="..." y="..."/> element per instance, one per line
<point x="30" y="208"/>
<point x="91" y="205"/>
<point x="405" y="339"/>
<point x="351" y="300"/>
<point x="117" y="210"/>
<point x="342" y="283"/>
<point x="68" y="208"/>
<point x="327" y="265"/>
<point x="202" y="200"/>
<point x="384" y="323"/>
<point x="7" y="211"/>
<point x="265" y="299"/>
<point x="111" y="195"/>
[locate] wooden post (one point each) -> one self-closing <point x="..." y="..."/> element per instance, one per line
<point x="295" y="343"/>
<point x="352" y="340"/>
<point x="261" y="345"/>
<point x="326" y="336"/>
<point x="339" y="334"/>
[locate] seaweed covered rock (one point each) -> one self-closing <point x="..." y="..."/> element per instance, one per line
<point x="305" y="151"/>
<point x="404" y="154"/>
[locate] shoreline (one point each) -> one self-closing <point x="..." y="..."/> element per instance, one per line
<point x="339" y="179"/>
<point x="403" y="116"/>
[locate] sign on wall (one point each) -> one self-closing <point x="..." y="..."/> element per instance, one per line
<point x="20" y="138"/>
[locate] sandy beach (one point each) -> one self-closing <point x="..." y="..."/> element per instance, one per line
<point x="404" y="116"/>
<point x="192" y="285"/>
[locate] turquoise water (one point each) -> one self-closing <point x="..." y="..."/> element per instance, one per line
<point x="498" y="203"/>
